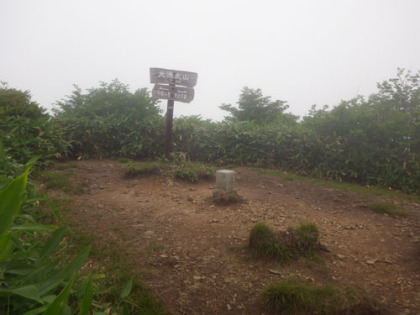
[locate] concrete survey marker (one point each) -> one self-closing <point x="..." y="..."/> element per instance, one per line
<point x="225" y="180"/>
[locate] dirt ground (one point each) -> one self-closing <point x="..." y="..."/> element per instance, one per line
<point x="192" y="253"/>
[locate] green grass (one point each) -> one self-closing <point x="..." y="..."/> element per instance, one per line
<point x="142" y="168"/>
<point x="62" y="167"/>
<point x="125" y="160"/>
<point x="113" y="272"/>
<point x="60" y="181"/>
<point x="283" y="246"/>
<point x="363" y="190"/>
<point x="226" y="197"/>
<point x="293" y="296"/>
<point x="386" y="208"/>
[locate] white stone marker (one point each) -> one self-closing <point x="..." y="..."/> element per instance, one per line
<point x="225" y="180"/>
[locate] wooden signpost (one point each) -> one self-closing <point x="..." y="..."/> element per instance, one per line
<point x="167" y="86"/>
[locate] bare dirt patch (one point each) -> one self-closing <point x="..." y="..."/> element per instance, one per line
<point x="192" y="252"/>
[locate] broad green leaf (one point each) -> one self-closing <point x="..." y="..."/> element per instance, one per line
<point x="52" y="243"/>
<point x="10" y="201"/>
<point x="36" y="311"/>
<point x="87" y="299"/>
<point x="31" y="162"/>
<point x="127" y="289"/>
<point x="58" y="305"/>
<point x="64" y="273"/>
<point x="29" y="292"/>
<point x="6" y="246"/>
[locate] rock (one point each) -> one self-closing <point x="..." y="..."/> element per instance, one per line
<point x="341" y="256"/>
<point x="273" y="271"/>
<point x="371" y="262"/>
<point x="326" y="247"/>
<point x="149" y="233"/>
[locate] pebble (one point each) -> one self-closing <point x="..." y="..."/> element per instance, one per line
<point x="273" y="271"/>
<point x="326" y="247"/>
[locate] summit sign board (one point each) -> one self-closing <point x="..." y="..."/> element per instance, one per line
<point x="176" y="93"/>
<point x="176" y="77"/>
<point x="172" y="85"/>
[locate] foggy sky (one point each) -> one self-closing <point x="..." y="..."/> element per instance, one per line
<point x="303" y="52"/>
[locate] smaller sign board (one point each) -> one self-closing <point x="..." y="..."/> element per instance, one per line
<point x="176" y="93"/>
<point x="177" y="77"/>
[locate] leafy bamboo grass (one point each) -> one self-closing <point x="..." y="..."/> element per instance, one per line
<point x="31" y="282"/>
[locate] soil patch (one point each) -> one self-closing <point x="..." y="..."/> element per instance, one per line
<point x="192" y="252"/>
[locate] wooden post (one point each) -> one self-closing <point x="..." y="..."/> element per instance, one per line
<point x="169" y="119"/>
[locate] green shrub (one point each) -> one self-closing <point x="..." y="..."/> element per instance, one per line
<point x="293" y="296"/>
<point x="192" y="171"/>
<point x="111" y="121"/>
<point x="27" y="131"/>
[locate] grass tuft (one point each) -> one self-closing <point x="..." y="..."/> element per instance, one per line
<point x="62" y="167"/>
<point x="124" y="160"/>
<point x="293" y="296"/>
<point x="61" y="181"/>
<point x="221" y="197"/>
<point x="387" y="208"/>
<point x="300" y="241"/>
<point x="144" y="168"/>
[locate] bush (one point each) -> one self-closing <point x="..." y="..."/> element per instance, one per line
<point x="110" y="121"/>
<point x="26" y="130"/>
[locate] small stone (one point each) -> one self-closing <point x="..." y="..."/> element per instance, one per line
<point x="326" y="247"/>
<point x="273" y="271"/>
<point x="341" y="256"/>
<point x="197" y="278"/>
<point x="371" y="262"/>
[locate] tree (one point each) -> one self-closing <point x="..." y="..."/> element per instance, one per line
<point x="253" y="106"/>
